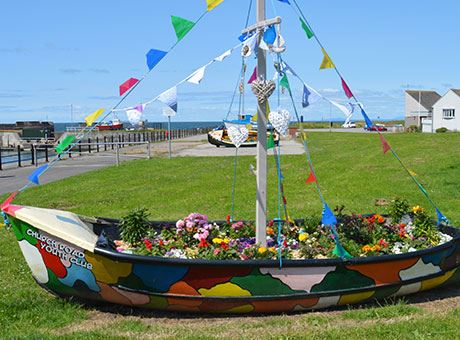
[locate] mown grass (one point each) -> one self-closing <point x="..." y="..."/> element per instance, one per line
<point x="352" y="171"/>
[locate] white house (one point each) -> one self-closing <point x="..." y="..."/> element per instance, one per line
<point x="419" y="106"/>
<point x="446" y="112"/>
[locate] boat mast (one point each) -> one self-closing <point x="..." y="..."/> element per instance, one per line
<point x="261" y="202"/>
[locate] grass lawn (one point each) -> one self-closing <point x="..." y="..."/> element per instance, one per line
<point x="352" y="171"/>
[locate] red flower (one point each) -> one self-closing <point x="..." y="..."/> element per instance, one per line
<point x="271" y="223"/>
<point x="203" y="243"/>
<point x="161" y="243"/>
<point x="285" y="243"/>
<point x="148" y="244"/>
<point x="228" y="219"/>
<point x="383" y="243"/>
<point x="224" y="245"/>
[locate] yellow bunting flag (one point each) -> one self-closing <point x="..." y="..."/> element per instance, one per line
<point x="267" y="106"/>
<point x="327" y="61"/>
<point x="213" y="4"/>
<point x="412" y="173"/>
<point x="93" y="116"/>
<point x="254" y="118"/>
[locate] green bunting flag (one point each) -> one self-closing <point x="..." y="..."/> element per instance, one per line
<point x="284" y="82"/>
<point x="270" y="142"/>
<point x="181" y="26"/>
<point x="306" y="29"/>
<point x="65" y="142"/>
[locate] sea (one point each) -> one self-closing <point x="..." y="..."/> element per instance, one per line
<point x="62" y="127"/>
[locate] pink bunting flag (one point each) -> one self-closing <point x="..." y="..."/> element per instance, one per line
<point x="253" y="77"/>
<point x="127" y="85"/>
<point x="347" y="90"/>
<point x="386" y="147"/>
<point x="311" y="178"/>
<point x="8" y="201"/>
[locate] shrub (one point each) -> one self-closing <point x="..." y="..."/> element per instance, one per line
<point x="398" y="208"/>
<point x="134" y="226"/>
<point x="413" y="128"/>
<point x="442" y="130"/>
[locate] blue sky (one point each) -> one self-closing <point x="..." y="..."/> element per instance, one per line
<point x="55" y="53"/>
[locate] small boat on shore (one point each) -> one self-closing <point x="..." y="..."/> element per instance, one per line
<point x="71" y="257"/>
<point x="115" y="124"/>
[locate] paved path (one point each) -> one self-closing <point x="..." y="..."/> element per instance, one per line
<point x="196" y="146"/>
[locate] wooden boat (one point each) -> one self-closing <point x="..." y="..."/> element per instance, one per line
<point x="219" y="137"/>
<point x="68" y="257"/>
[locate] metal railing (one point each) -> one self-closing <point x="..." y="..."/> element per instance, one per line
<point x="31" y="154"/>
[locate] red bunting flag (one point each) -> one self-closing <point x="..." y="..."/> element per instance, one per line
<point x="8" y="201"/>
<point x="253" y="77"/>
<point x="127" y="85"/>
<point x="311" y="178"/>
<point x="347" y="90"/>
<point x="386" y="147"/>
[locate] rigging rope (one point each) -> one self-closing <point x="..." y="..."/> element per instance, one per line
<point x="441" y="217"/>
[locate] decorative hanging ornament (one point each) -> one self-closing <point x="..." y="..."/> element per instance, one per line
<point x="238" y="133"/>
<point x="263" y="89"/>
<point x="280" y="121"/>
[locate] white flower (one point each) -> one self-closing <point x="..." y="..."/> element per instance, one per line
<point x="411" y="249"/>
<point x="444" y="238"/>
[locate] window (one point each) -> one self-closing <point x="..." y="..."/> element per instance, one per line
<point x="448" y="113"/>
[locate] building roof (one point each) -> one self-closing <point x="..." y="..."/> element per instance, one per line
<point x="427" y="98"/>
<point x="456" y="91"/>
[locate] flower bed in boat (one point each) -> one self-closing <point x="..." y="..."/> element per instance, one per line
<point x="403" y="230"/>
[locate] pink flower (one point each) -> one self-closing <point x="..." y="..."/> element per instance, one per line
<point x="180" y="224"/>
<point x="217" y="251"/>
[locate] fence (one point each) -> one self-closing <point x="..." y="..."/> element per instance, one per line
<point x="33" y="153"/>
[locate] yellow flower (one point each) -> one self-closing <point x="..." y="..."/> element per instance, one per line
<point x="262" y="250"/>
<point x="417" y="209"/>
<point x="272" y="249"/>
<point x="226" y="240"/>
<point x="217" y="240"/>
<point x="367" y="248"/>
<point x="303" y="237"/>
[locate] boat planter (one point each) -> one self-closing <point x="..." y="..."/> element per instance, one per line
<point x="62" y="253"/>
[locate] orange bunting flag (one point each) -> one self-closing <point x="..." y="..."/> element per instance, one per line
<point x="311" y="178"/>
<point x="386" y="147"/>
<point x="327" y="61"/>
<point x="213" y="4"/>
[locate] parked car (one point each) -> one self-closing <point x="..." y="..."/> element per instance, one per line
<point x="377" y="127"/>
<point x="349" y="125"/>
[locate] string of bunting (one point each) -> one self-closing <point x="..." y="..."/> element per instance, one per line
<point x="182" y="27"/>
<point x="327" y="63"/>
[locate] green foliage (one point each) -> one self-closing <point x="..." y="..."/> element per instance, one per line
<point x="441" y="130"/>
<point x="424" y="226"/>
<point x="413" y="128"/>
<point x="398" y="208"/>
<point x="134" y="226"/>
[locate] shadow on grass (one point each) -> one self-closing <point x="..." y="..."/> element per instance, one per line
<point x="414" y="299"/>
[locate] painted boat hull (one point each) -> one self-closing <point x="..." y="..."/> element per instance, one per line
<point x="182" y="285"/>
<point x="215" y="138"/>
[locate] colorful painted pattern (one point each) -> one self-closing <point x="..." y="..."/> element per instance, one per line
<point x="70" y="271"/>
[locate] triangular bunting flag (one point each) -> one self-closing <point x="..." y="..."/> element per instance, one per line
<point x="253" y="76"/>
<point x="328" y="216"/>
<point x="35" y="176"/>
<point x="65" y="142"/>
<point x="342" y="108"/>
<point x="366" y="118"/>
<point x="223" y="55"/>
<point x="213" y="4"/>
<point x="386" y="147"/>
<point x="340" y="251"/>
<point x="327" y="61"/>
<point x="8" y="201"/>
<point x="310" y="96"/>
<point x="306" y="29"/>
<point x="311" y="178"/>
<point x="169" y="98"/>
<point x="270" y="142"/>
<point x="93" y="117"/>
<point x="284" y="82"/>
<point x="441" y="217"/>
<point x="412" y="173"/>
<point x="263" y="45"/>
<point x="181" y="26"/>
<point x="197" y="76"/>
<point x="135" y="114"/>
<point x="127" y="85"/>
<point x="154" y="57"/>
<point x="285" y="1"/>
<point x="270" y="35"/>
<point x="346" y="89"/>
